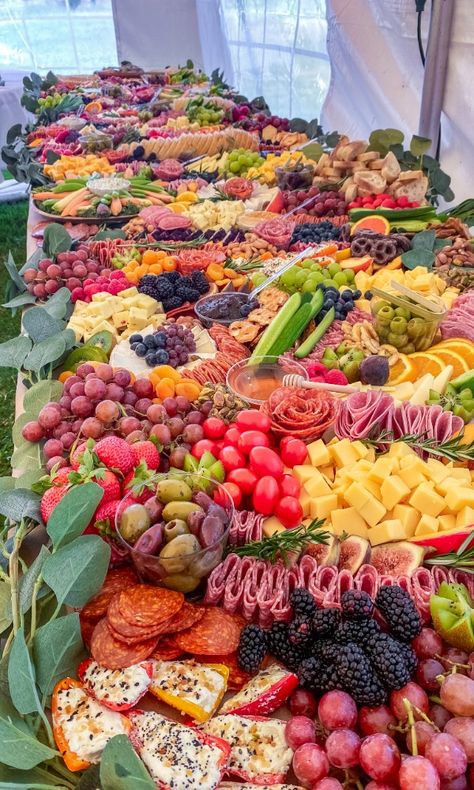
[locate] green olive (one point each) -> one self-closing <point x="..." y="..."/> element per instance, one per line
<point x="180" y="510"/>
<point x="181" y="582"/>
<point x="399" y="341"/>
<point x="175" y="554"/>
<point x="385" y="314"/>
<point x="403" y="312"/>
<point x="378" y="306"/>
<point x="398" y="325"/>
<point x="416" y="328"/>
<point x="173" y="491"/>
<point x="175" y="528"/>
<point x="134" y="522"/>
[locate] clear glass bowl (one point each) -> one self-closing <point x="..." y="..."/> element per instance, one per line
<point x="207" y="320"/>
<point x="185" y="572"/>
<point x="254" y="381"/>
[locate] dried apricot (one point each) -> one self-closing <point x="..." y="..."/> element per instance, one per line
<point x="150" y="257"/>
<point x="190" y="390"/>
<point x="165" y="388"/>
<point x="167" y="372"/>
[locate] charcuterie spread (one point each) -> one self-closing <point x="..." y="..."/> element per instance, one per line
<point x="237" y="548"/>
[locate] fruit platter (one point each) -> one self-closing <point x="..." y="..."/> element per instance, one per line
<point x="237" y="544"/>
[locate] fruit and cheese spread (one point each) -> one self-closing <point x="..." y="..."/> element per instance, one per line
<point x="191" y="682"/>
<point x="255" y="688"/>
<point x="116" y="686"/>
<point x="174" y="755"/>
<point x="87" y="726"/>
<point x="258" y="746"/>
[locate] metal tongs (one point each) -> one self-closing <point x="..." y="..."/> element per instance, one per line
<point x="304" y="254"/>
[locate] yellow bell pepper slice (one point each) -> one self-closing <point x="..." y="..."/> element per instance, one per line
<point x="184" y="705"/>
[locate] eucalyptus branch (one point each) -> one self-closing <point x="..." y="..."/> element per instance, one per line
<point x="34" y="607"/>
<point x="13" y="573"/>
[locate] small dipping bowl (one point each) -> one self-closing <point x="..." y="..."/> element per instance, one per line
<point x="255" y="381"/>
<point x="184" y="572"/>
<point x="206" y="320"/>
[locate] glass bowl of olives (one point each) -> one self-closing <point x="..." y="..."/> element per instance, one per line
<point x="177" y="536"/>
<point x="407" y="326"/>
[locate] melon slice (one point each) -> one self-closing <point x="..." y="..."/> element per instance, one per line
<point x="373" y="222"/>
<point x="357" y="264"/>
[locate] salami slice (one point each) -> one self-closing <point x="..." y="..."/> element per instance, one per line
<point x="216" y="632"/>
<point x="111" y="653"/>
<point x="302" y="413"/>
<point x="187" y="616"/>
<point x="115" y="581"/>
<point x="131" y="633"/>
<point x="144" y="605"/>
<point x="167" y="649"/>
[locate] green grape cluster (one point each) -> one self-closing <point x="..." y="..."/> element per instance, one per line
<point x="50" y="101"/>
<point x="240" y="160"/>
<point x="205" y="114"/>
<point x="308" y="274"/>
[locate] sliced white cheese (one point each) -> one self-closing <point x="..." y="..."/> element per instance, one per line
<point x="87" y="726"/>
<point x="174" y="755"/>
<point x="258" y="747"/>
<point x="191" y="682"/>
<point x="116" y="686"/>
<point x="255" y="688"/>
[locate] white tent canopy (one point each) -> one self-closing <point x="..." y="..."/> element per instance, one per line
<point x="356" y="64"/>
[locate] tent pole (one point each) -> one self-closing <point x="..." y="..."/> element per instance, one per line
<point x="434" y="80"/>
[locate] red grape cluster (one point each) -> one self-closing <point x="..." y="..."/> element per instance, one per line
<point x="260" y="121"/>
<point x="322" y="204"/>
<point x="76" y="270"/>
<point x="101" y="401"/>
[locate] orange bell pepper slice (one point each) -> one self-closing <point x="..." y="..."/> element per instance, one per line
<point x="72" y="760"/>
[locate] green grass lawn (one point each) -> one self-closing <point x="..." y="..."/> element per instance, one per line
<point x="13" y="218"/>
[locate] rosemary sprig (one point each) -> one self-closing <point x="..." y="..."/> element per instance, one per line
<point x="281" y="544"/>
<point x="453" y="449"/>
<point x="463" y="558"/>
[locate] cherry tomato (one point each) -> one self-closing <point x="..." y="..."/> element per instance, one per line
<point x="231" y="458"/>
<point x="289" y="486"/>
<point x="264" y="461"/>
<point x="289" y="511"/>
<point x="244" y="478"/>
<point x="214" y="428"/>
<point x="293" y="451"/>
<point x="231" y="437"/>
<point x="234" y="493"/>
<point x="266" y="495"/>
<point x="202" y="446"/>
<point x="252" y="420"/>
<point x="250" y="439"/>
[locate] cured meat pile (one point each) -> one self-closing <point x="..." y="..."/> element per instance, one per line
<point x="276" y="231"/>
<point x="261" y="591"/>
<point x="246" y="526"/>
<point x="230" y="351"/>
<point x="161" y="218"/>
<point x="301" y="413"/>
<point x="459" y="321"/>
<point x="365" y="414"/>
<point x="168" y="169"/>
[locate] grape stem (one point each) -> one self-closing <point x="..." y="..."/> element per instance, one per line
<point x="411" y="724"/>
<point x="453" y="663"/>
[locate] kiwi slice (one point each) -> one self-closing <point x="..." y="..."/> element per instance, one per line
<point x="84" y="354"/>
<point x="104" y="340"/>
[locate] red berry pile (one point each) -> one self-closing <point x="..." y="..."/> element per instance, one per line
<point x="383" y="201"/>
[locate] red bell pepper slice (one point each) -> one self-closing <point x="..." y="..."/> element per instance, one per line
<point x="266" y="701"/>
<point x="262" y="779"/>
<point x="82" y="669"/>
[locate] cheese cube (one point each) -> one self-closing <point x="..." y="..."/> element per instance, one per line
<point x="360" y="448"/>
<point x="387" y="531"/>
<point x="319" y="453"/>
<point x="120" y="318"/>
<point x="373" y="488"/>
<point x="271" y="526"/>
<point x="303" y="473"/>
<point x="356" y="495"/>
<point x="316" y="486"/>
<point x="437" y="471"/>
<point x="322" y="507"/>
<point x="465" y="517"/>
<point x="426" y="500"/>
<point x="129" y="292"/>
<point x="461" y="474"/>
<point x="447" y="484"/>
<point x="328" y="472"/>
<point x="408" y="516"/>
<point x="447" y="521"/>
<point x="348" y="520"/>
<point x="427" y="525"/>
<point x="370" y="455"/>
<point x="458" y="497"/>
<point x="393" y="490"/>
<point x="400" y="450"/>
<point x="372" y="511"/>
<point x="412" y="477"/>
<point x="343" y="453"/>
<point x="305" y="502"/>
<point x="381" y="469"/>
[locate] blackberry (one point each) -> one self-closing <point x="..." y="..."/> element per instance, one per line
<point x="302" y="602"/>
<point x="171" y="303"/>
<point x="188" y="294"/>
<point x="409" y="656"/>
<point x="280" y="646"/>
<point x="172" y="277"/>
<point x="399" y="611"/>
<point x="325" y="649"/>
<point x="358" y="631"/>
<point x="325" y="621"/>
<point x="356" y="605"/>
<point x="387" y="660"/>
<point x="315" y="676"/>
<point x="252" y="648"/>
<point x="300" y="631"/>
<point x="353" y="673"/>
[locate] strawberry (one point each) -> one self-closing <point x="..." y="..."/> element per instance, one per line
<point x="141" y="482"/>
<point x="76" y="455"/>
<point x="89" y="470"/>
<point x="62" y="476"/>
<point x="109" y="482"/>
<point x="146" y="451"/>
<point x="103" y="520"/>
<point x="50" y="499"/>
<point x="115" y="453"/>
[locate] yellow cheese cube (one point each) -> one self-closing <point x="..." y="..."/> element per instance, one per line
<point x="426" y="500"/>
<point x="323" y="505"/>
<point x="411" y="476"/>
<point x="447" y="484"/>
<point x="360" y="448"/>
<point x="408" y="516"/>
<point x="303" y="473"/>
<point x="400" y="450"/>
<point x="120" y="318"/>
<point x="348" y="520"/>
<point x="328" y="472"/>
<point x="447" y="521"/>
<point x="319" y="453"/>
<point x="393" y="490"/>
<point x="458" y="497"/>
<point x="373" y="487"/>
<point x="271" y="526"/>
<point x="316" y="486"/>
<point x="387" y="531"/>
<point x="381" y="469"/>
<point x="343" y="453"/>
<point x="305" y="502"/>
<point x="372" y="511"/>
<point x="356" y="495"/>
<point x="427" y="525"/>
<point x="460" y="473"/>
<point x="371" y="454"/>
<point x="465" y="517"/>
<point x="437" y="471"/>
<point x="129" y="292"/>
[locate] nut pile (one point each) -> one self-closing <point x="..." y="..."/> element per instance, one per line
<point x="455" y="263"/>
<point x="225" y="404"/>
<point x="252" y="247"/>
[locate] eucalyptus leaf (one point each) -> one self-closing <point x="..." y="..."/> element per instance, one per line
<point x="109" y="234"/>
<point x="45" y="353"/>
<point x="12" y="779"/>
<point x="5" y="605"/>
<point x="20" y="423"/>
<point x="424" y="240"/>
<point x="13" y="133"/>
<point x="90" y="779"/>
<point x="20" y="503"/>
<point x="313" y="151"/>
<point x="58" y="649"/>
<point x="20" y="301"/>
<point x="419" y="145"/>
<point x="30" y="477"/>
<point x="122" y="769"/>
<point x="73" y="513"/>
<point x="6" y="483"/>
<point x="52" y="157"/>
<point x="14" y="352"/>
<point x="440" y="181"/>
<point x="418" y="257"/>
<point x="30" y="578"/>
<point x="26" y="456"/>
<point x="76" y="571"/>
<point x="332" y="139"/>
<point x="380" y="141"/>
<point x="449" y="195"/>
<point x="12" y="270"/>
<point x="40" y="325"/>
<point x="56" y="239"/>
<point x="19" y="749"/>
<point x="298" y="125"/>
<point x="21" y="676"/>
<point x="42" y="393"/>
<point x="69" y="338"/>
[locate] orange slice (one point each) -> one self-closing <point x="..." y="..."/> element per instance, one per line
<point x="427" y="363"/>
<point x="461" y="346"/>
<point x="403" y="370"/>
<point x="449" y="357"/>
<point x="93" y="106"/>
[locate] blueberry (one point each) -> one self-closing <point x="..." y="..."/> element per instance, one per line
<point x="133" y="346"/>
<point x="162" y="357"/>
<point x="321" y="314"/>
<point x="357" y="294"/>
<point x="346" y="295"/>
<point x="141" y="350"/>
<point x="160" y="339"/>
<point x="368" y="295"/>
<point x="329" y="301"/>
<point x="339" y="316"/>
<point x="150" y="359"/>
<point x="136" y="338"/>
<point x="149" y="341"/>
<point x="320" y="287"/>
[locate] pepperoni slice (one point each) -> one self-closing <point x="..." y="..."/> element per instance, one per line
<point x="144" y="605"/>
<point x="167" y="649"/>
<point x="115" y="581"/>
<point x="131" y="633"/>
<point x="111" y="653"/>
<point x="186" y="617"/>
<point x="217" y="632"/>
